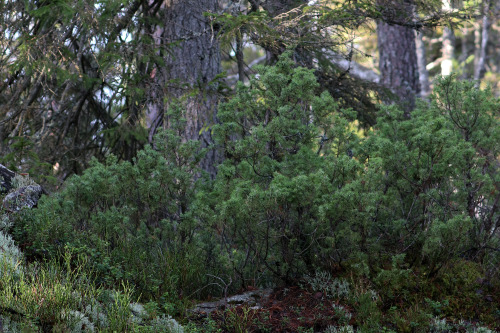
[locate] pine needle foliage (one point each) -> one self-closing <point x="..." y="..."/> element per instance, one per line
<point x="286" y="168"/>
<point x="298" y="192"/>
<point x="131" y="220"/>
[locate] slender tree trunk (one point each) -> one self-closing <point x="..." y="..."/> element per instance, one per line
<point x="477" y="46"/>
<point x="448" y="51"/>
<point x="190" y="62"/>
<point x="423" y="74"/>
<point x="398" y="59"/>
<point x="480" y="67"/>
<point x="239" y="58"/>
<point x="464" y="56"/>
<point x="448" y="48"/>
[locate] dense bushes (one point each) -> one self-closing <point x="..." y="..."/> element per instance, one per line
<point x="435" y="177"/>
<point x="286" y="188"/>
<point x="131" y="220"/>
<point x="298" y="191"/>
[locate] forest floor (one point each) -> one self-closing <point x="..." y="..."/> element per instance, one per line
<point x="302" y="309"/>
<point x="292" y="309"/>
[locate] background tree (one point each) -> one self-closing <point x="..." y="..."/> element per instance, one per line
<point x="186" y="66"/>
<point x="481" y="53"/>
<point x="67" y="83"/>
<point x="397" y="55"/>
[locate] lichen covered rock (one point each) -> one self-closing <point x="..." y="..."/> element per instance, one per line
<point x="25" y="196"/>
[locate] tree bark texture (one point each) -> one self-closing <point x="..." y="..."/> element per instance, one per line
<point x="190" y="62"/>
<point x="398" y="59"/>
<point x="6" y="176"/>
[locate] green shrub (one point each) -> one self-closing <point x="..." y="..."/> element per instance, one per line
<point x="431" y="179"/>
<point x="298" y="192"/>
<point x="282" y="198"/>
<point x="132" y="221"/>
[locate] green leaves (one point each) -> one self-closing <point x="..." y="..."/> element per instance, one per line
<point x="298" y="191"/>
<point x="133" y="217"/>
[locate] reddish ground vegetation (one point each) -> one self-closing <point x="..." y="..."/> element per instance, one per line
<point x="285" y="310"/>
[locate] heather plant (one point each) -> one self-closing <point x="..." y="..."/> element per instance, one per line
<point x="50" y="297"/>
<point x="41" y="294"/>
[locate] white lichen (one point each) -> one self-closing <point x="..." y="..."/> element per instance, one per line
<point x="19" y="181"/>
<point x="79" y="322"/>
<point x="166" y="324"/>
<point x="339" y="329"/>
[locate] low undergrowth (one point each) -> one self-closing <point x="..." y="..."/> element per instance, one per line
<point x="363" y="306"/>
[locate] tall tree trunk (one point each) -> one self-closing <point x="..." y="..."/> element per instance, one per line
<point x="423" y="74"/>
<point x="480" y="67"/>
<point x="398" y="59"/>
<point x="190" y="62"/>
<point x="464" y="56"/>
<point x="448" y="51"/>
<point x="448" y="48"/>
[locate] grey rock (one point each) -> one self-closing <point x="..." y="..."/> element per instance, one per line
<point x="25" y="196"/>
<point x="252" y="299"/>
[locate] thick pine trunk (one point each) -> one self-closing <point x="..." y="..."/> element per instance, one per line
<point x="398" y="59"/>
<point x="191" y="61"/>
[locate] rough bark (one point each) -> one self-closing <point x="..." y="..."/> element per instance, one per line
<point x="191" y="61"/>
<point x="6" y="179"/>
<point x="398" y="59"/>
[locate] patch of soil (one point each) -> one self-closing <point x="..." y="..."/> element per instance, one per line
<point x="285" y="310"/>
